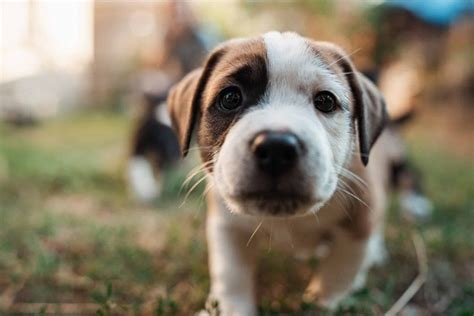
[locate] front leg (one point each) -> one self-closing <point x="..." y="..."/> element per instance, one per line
<point x="339" y="270"/>
<point x="232" y="266"/>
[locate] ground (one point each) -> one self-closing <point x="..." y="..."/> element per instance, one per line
<point x="73" y="241"/>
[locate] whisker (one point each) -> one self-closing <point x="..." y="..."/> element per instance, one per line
<point x="354" y="179"/>
<point x="342" y="205"/>
<point x="348" y="187"/>
<point x="194" y="172"/>
<point x="343" y="185"/>
<point x="192" y="188"/>
<point x="340" y="198"/>
<point x="357" y="198"/>
<point x="351" y="174"/>
<point x="201" y="166"/>
<point x="345" y="56"/>
<point x="317" y="218"/>
<point x="208" y="188"/>
<point x="254" y="232"/>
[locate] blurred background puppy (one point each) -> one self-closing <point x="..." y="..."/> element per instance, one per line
<point x="154" y="147"/>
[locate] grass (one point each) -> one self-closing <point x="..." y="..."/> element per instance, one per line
<point x="71" y="237"/>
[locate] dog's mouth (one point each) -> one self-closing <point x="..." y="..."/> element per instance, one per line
<point x="273" y="203"/>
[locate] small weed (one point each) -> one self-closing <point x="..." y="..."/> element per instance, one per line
<point x="166" y="307"/>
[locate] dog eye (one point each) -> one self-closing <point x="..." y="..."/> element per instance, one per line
<point x="229" y="99"/>
<point x="325" y="101"/>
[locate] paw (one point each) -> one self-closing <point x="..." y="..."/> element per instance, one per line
<point x="315" y="294"/>
<point x="211" y="308"/>
<point x="229" y="306"/>
<point x="313" y="290"/>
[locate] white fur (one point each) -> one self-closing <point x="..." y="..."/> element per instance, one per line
<point x="295" y="76"/>
<point x="293" y="64"/>
<point x="415" y="205"/>
<point x="162" y="115"/>
<point x="142" y="181"/>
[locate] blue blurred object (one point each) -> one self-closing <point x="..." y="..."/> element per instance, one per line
<point x="209" y="35"/>
<point x="440" y="12"/>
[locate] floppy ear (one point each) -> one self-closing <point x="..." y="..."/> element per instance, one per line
<point x="183" y="108"/>
<point x="371" y="113"/>
<point x="184" y="101"/>
<point x="369" y="106"/>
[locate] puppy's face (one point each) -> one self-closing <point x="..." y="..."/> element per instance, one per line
<point x="276" y="118"/>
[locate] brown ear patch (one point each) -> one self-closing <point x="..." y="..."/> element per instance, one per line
<point x="181" y="109"/>
<point x="369" y="105"/>
<point x="371" y="113"/>
<point x="185" y="98"/>
<point x="192" y="102"/>
<point x="243" y="66"/>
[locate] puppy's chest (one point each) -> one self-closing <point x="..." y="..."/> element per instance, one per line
<point x="300" y="236"/>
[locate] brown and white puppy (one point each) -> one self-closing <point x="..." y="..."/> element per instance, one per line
<point x="285" y="126"/>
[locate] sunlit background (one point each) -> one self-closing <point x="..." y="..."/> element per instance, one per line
<point x="76" y="80"/>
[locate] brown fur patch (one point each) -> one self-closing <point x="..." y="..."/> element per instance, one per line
<point x="192" y="102"/>
<point x="245" y="67"/>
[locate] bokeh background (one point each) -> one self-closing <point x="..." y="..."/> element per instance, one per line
<point x="75" y="80"/>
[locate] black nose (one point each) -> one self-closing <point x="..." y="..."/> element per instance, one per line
<point x="276" y="152"/>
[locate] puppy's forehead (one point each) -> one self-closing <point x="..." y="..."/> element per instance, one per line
<point x="302" y="64"/>
<point x="242" y="62"/>
<point x="275" y="62"/>
<point x="286" y="51"/>
<point x="291" y="55"/>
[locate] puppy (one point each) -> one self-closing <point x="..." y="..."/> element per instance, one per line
<point x="285" y="126"/>
<point x="154" y="149"/>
